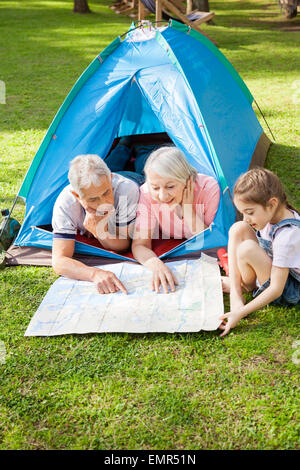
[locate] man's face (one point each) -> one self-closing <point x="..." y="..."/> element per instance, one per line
<point x="98" y="200"/>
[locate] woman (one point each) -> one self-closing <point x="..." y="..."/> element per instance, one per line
<point x="175" y="200"/>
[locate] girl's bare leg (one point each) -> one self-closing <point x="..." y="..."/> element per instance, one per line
<point x="253" y="263"/>
<point x="225" y="280"/>
<point x="225" y="284"/>
<point x="238" y="233"/>
<point x="247" y="262"/>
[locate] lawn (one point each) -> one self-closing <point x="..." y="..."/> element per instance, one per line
<point x="154" y="391"/>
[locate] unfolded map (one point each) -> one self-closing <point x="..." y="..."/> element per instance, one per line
<point x="76" y="307"/>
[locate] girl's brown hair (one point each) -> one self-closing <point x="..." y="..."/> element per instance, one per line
<point x="259" y="185"/>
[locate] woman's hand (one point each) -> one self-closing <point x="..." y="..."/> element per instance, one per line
<point x="162" y="275"/>
<point x="188" y="193"/>
<point x="193" y="220"/>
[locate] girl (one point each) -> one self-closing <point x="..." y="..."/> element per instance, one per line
<point x="175" y="200"/>
<point x="264" y="249"/>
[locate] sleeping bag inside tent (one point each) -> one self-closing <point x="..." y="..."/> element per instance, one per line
<point x="166" y="84"/>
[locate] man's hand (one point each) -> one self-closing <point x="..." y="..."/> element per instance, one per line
<point x="97" y="225"/>
<point x="233" y="317"/>
<point x="90" y="223"/>
<point x="107" y="282"/>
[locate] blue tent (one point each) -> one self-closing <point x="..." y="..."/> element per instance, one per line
<point x="170" y="79"/>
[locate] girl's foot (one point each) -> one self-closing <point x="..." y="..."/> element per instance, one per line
<point x="225" y="284"/>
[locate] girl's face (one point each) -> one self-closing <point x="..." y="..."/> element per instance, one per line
<point x="255" y="214"/>
<point x="165" y="190"/>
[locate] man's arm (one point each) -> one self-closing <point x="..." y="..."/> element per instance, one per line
<point x="64" y="265"/>
<point x="119" y="242"/>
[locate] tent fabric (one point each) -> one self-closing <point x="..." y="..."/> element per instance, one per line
<point x="28" y="256"/>
<point x="170" y="79"/>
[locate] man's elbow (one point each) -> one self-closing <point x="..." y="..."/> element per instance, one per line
<point x="120" y="245"/>
<point x="57" y="266"/>
<point x="124" y="246"/>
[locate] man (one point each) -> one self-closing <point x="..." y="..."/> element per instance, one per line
<point x="96" y="202"/>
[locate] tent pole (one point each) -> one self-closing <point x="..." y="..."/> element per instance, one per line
<point x="141" y="26"/>
<point x="264" y="119"/>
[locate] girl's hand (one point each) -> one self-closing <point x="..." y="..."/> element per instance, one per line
<point x="233" y="317"/>
<point x="188" y="193"/>
<point x="162" y="275"/>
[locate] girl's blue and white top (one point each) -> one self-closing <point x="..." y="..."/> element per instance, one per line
<point x="285" y="243"/>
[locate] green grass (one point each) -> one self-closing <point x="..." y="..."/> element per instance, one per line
<point x="122" y="391"/>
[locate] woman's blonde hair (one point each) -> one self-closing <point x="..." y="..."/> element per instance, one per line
<point x="259" y="185"/>
<point x="170" y="162"/>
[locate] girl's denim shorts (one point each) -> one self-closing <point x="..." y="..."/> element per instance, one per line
<point x="290" y="294"/>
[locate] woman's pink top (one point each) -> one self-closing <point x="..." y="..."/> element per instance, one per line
<point x="153" y="215"/>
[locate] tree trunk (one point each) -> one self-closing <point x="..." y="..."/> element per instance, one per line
<point x="81" y="6"/>
<point x="201" y="5"/>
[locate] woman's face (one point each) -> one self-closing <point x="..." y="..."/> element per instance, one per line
<point x="164" y="190"/>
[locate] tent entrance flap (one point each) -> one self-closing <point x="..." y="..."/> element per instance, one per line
<point x="138" y="117"/>
<point x="174" y="105"/>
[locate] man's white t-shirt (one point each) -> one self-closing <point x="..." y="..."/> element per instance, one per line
<point x="69" y="215"/>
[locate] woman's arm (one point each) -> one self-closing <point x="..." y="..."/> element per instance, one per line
<point x="141" y="246"/>
<point x="142" y="251"/>
<point x="277" y="282"/>
<point x="194" y="222"/>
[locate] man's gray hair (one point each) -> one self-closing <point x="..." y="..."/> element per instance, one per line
<point x="86" y="170"/>
<point x="170" y="162"/>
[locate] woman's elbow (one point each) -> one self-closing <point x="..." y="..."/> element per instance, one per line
<point x="134" y="245"/>
<point x="138" y="244"/>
